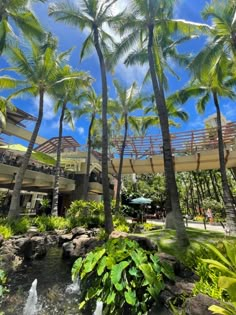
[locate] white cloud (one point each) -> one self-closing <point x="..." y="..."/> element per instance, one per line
<point x="80" y="130"/>
<point x="48" y="112"/>
<point x="132" y="73"/>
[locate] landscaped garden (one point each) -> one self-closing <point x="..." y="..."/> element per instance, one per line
<point x="106" y="257"/>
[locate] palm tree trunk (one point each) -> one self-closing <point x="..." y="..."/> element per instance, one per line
<point x="214" y="187"/>
<point x="121" y="165"/>
<point x="227" y="194"/>
<point x="168" y="161"/>
<point x="14" y="210"/>
<point x="58" y="165"/>
<point x="105" y="180"/>
<point x="86" y="182"/>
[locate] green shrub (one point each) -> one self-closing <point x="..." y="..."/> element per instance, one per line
<point x="86" y="213"/>
<point x="48" y="223"/>
<point x="6" y="231"/>
<point x="126" y="278"/>
<point x="120" y="223"/>
<point x="19" y="226"/>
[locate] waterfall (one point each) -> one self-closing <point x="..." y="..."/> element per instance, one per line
<point x="74" y="287"/>
<point x="98" y="310"/>
<point x="31" y="307"/>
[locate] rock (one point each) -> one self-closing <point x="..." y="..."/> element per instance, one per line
<point x="171" y="260"/>
<point x="160" y="310"/>
<point x="52" y="239"/>
<point x="78" y="231"/>
<point x="117" y="234"/>
<point x="84" y="245"/>
<point x="67" y="249"/>
<point x="24" y="247"/>
<point x="143" y="241"/>
<point x="80" y="246"/>
<point x="65" y="238"/>
<point x="39" y="246"/>
<point x="1" y="240"/>
<point x="199" y="304"/>
<point x="180" y="287"/>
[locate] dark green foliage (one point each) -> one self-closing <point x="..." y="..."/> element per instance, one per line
<point x="47" y="223"/>
<point x="126" y="278"/>
<point x="86" y="213"/>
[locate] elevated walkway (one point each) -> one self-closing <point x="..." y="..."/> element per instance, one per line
<point x="191" y="150"/>
<point x="33" y="180"/>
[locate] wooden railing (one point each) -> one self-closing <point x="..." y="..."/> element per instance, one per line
<point x="182" y="143"/>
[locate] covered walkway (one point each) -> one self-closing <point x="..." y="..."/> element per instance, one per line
<point x="191" y="150"/>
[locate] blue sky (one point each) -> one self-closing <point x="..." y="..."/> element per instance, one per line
<point x="70" y="37"/>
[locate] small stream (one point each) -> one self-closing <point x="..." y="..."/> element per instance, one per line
<point x="53" y="276"/>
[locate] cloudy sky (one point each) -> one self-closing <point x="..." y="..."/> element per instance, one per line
<point x="70" y="37"/>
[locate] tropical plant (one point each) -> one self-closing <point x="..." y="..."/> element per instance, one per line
<point x="39" y="68"/>
<point x="225" y="263"/>
<point x="65" y="93"/>
<point x="18" y="12"/>
<point x="91" y="107"/>
<point x="127" y="101"/>
<point x="87" y="213"/>
<point x="126" y="278"/>
<point x="93" y="14"/>
<point x="213" y="81"/>
<point x="47" y="223"/>
<point x="150" y="21"/>
<point x="5" y="231"/>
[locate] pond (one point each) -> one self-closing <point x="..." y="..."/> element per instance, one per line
<point x="53" y="278"/>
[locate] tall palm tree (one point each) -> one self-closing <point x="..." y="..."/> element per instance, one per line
<point x="90" y="107"/>
<point x="127" y="101"/>
<point x="92" y="15"/>
<point x="149" y="20"/>
<point x="214" y="81"/>
<point x="39" y="69"/>
<point x="18" y="12"/>
<point x="66" y="92"/>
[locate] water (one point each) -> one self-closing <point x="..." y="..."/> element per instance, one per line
<point x="31" y="306"/>
<point x="99" y="307"/>
<point x="54" y="277"/>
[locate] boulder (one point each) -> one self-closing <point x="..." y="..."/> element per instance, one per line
<point x="1" y="240"/>
<point x="24" y="247"/>
<point x="80" y="246"/>
<point x="39" y="246"/>
<point x="78" y="231"/>
<point x="65" y="238"/>
<point x="143" y="241"/>
<point x="199" y="304"/>
<point x="67" y="249"/>
<point x="52" y="239"/>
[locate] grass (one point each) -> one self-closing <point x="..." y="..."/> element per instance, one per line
<point x="166" y="239"/>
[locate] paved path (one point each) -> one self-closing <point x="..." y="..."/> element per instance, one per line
<point x="197" y="225"/>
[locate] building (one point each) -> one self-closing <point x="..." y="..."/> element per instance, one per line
<point x="39" y="178"/>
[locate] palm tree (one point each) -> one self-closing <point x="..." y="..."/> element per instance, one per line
<point x="91" y="106"/>
<point x="128" y="100"/>
<point x="18" y="12"/>
<point x="92" y="15"/>
<point x="66" y="92"/>
<point x="150" y="20"/>
<point x="214" y="81"/>
<point x="39" y="68"/>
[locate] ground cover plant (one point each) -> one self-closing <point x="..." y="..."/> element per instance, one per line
<point x="126" y="278"/>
